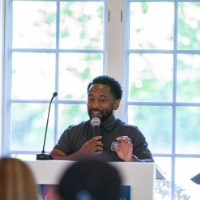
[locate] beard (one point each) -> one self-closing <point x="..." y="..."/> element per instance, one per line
<point x="103" y="116"/>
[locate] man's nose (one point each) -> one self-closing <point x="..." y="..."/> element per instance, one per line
<point x="95" y="104"/>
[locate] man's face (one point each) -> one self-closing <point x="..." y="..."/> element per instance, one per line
<point x="101" y="103"/>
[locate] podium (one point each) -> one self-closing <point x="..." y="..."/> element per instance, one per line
<point x="140" y="177"/>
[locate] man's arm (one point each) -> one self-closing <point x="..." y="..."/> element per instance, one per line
<point x="136" y="159"/>
<point x="93" y="147"/>
<point x="56" y="154"/>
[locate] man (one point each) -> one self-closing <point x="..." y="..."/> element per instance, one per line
<point x="114" y="141"/>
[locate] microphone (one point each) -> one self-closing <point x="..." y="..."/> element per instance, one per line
<point x="95" y="122"/>
<point x="43" y="155"/>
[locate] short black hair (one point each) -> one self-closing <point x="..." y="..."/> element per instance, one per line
<point x="91" y="178"/>
<point x="116" y="89"/>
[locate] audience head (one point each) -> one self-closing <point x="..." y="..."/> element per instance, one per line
<point x="90" y="179"/>
<point x="16" y="180"/>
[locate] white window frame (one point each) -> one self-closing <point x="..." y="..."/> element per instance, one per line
<point x="114" y="58"/>
<point x="115" y="62"/>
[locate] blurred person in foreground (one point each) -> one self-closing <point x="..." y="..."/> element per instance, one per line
<point x="88" y="179"/>
<point x="114" y="141"/>
<point x="16" y="180"/>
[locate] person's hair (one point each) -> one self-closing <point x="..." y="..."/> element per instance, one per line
<point x="90" y="179"/>
<point x="16" y="180"/>
<point x="115" y="87"/>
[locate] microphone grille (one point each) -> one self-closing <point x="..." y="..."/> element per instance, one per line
<point x="95" y="121"/>
<point x="55" y="94"/>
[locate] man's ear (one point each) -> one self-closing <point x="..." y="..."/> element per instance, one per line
<point x="116" y="104"/>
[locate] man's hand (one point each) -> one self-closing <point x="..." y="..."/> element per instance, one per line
<point x="125" y="149"/>
<point x="93" y="147"/>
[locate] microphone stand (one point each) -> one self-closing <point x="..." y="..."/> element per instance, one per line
<point x="43" y="155"/>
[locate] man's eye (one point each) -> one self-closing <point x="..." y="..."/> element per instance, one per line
<point x="102" y="100"/>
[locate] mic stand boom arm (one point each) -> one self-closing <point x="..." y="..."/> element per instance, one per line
<point x="42" y="155"/>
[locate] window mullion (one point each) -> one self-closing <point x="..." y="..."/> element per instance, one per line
<point x="114" y="57"/>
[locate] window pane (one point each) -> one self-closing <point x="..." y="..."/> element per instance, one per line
<point x="164" y="163"/>
<point x="75" y="72"/>
<point x="68" y="116"/>
<point x="28" y="124"/>
<point x="150" y="77"/>
<point x="186" y="168"/>
<point x="155" y="122"/>
<point x="34" y="24"/>
<point x="82" y="25"/>
<point x="188" y="25"/>
<point x="188" y="130"/>
<point x="163" y="186"/>
<point x="149" y="19"/>
<point x="33" y="75"/>
<point x="188" y="73"/>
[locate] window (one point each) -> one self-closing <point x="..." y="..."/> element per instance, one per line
<point x="53" y="47"/>
<point x="163" y="99"/>
<point x="151" y="47"/>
